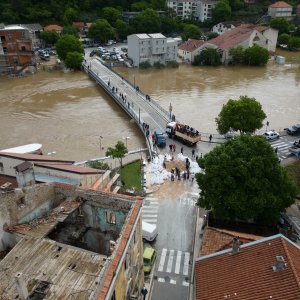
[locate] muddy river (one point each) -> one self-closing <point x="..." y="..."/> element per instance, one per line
<point x="67" y="113"/>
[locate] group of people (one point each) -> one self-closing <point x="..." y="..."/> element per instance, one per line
<point x="172" y="148"/>
<point x="146" y="129"/>
<point x="186" y="174"/>
<point x="190" y="131"/>
<point x="148" y="98"/>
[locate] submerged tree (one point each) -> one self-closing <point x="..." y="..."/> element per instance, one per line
<point x="118" y="152"/>
<point x="243" y="180"/>
<point x="244" y="115"/>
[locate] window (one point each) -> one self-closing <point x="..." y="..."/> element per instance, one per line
<point x="110" y="217"/>
<point x="5" y="50"/>
<point x="134" y="237"/>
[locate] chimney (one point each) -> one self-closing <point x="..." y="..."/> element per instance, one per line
<point x="280" y="264"/>
<point x="236" y="245"/>
<point x="21" y="286"/>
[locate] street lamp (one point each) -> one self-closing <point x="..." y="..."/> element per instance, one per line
<point x="126" y="138"/>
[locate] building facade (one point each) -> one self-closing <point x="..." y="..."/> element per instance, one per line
<point x="199" y="10"/>
<point x="152" y="48"/>
<point x="280" y="9"/>
<point x="15" y="48"/>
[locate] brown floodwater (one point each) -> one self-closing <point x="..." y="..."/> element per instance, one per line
<point x="68" y="112"/>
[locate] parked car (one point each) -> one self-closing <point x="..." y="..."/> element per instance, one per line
<point x="271" y="135"/>
<point x="149" y="231"/>
<point x="293" y="129"/>
<point x="149" y="259"/>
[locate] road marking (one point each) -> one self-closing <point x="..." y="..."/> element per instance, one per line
<point x="151" y="221"/>
<point x="151" y="216"/>
<point x="170" y="261"/>
<point x="150" y="209"/>
<point x="277" y="143"/>
<point x="186" y="263"/>
<point x="172" y="281"/>
<point x="162" y="259"/>
<point x="148" y="198"/>
<point x="178" y="259"/>
<point x="184" y="283"/>
<point x="159" y="279"/>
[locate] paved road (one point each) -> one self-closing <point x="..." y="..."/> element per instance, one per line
<point x="283" y="144"/>
<point x="173" y="210"/>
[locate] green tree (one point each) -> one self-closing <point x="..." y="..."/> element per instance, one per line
<point x="221" y="12"/>
<point x="101" y="30"/>
<point x="191" y="31"/>
<point x="169" y="25"/>
<point x="244" y="115"/>
<point x="70" y="15"/>
<point x="71" y="30"/>
<point x="236" y="4"/>
<point x="243" y="180"/>
<point x="118" y="152"/>
<point x="158" y="4"/>
<point x="68" y="43"/>
<point x="281" y="24"/>
<point x="208" y="57"/>
<point x="147" y="21"/>
<point x="122" y="29"/>
<point x="140" y="6"/>
<point x="256" y="56"/>
<point x="237" y="55"/>
<point x="283" y="38"/>
<point x="74" y="60"/>
<point x="211" y="35"/>
<point x="50" y="37"/>
<point x="111" y="15"/>
<point x="294" y="43"/>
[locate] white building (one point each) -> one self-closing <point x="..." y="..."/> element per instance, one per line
<point x="280" y="9"/>
<point x="223" y="27"/>
<point x="153" y="48"/>
<point x="197" y="9"/>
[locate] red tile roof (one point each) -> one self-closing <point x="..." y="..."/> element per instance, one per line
<point x="235" y="36"/>
<point x="191" y="45"/>
<point x="280" y="4"/>
<point x="248" y="275"/>
<point x="216" y="239"/>
<point x="36" y="157"/>
<point x="53" y="27"/>
<point x="78" y="24"/>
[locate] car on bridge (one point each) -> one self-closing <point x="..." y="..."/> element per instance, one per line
<point x="271" y="135"/>
<point x="295" y="129"/>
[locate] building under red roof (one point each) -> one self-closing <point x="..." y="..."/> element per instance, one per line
<point x="280" y="4"/>
<point x="260" y="270"/>
<point x="57" y="28"/>
<point x="191" y="45"/>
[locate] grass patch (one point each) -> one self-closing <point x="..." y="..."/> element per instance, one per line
<point x="131" y="176"/>
<point x="294" y="171"/>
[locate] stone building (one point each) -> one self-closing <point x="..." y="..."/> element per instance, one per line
<point x="70" y="243"/>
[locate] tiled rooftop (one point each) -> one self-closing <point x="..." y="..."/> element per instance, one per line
<point x="248" y="275"/>
<point x="215" y="239"/>
<point x="280" y="4"/>
<point x="191" y="45"/>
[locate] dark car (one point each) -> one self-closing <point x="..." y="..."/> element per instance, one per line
<point x="92" y="53"/>
<point x="295" y="129"/>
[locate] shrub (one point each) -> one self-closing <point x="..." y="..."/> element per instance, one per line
<point x="172" y="64"/>
<point x="145" y="65"/>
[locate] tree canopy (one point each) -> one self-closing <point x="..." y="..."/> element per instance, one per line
<point x="256" y="56"/>
<point x="118" y="152"/>
<point x="111" y="14"/>
<point x="208" y="57"/>
<point x="244" y="115"/>
<point x="237" y="55"/>
<point x="50" y="37"/>
<point x="66" y="44"/>
<point x="221" y="12"/>
<point x="191" y="31"/>
<point x="74" y="60"/>
<point x="101" y="30"/>
<point x="147" y="21"/>
<point x="243" y="180"/>
<point x="281" y="24"/>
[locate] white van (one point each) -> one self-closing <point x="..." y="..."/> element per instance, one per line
<point x="149" y="231"/>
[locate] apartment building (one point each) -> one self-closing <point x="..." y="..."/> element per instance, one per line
<point x="15" y="48"/>
<point x="280" y="9"/>
<point x="151" y="48"/>
<point x="196" y="9"/>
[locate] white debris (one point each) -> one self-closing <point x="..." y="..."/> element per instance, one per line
<point x="156" y="173"/>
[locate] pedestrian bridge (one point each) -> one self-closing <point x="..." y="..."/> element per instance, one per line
<point x="137" y="105"/>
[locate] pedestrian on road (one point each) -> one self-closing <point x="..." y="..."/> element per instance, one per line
<point x="144" y="292"/>
<point x="210" y="138"/>
<point x="276" y="150"/>
<point x="181" y="150"/>
<point x="192" y="176"/>
<point x="174" y="148"/>
<point x="188" y="174"/>
<point x="197" y="157"/>
<point x="193" y="153"/>
<point x="201" y="155"/>
<point x="170" y="147"/>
